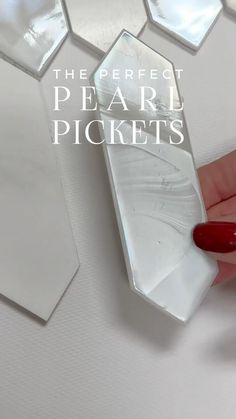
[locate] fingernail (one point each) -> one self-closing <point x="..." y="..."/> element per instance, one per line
<point x="214" y="236"/>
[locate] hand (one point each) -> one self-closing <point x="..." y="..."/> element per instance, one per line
<point x="218" y="236"/>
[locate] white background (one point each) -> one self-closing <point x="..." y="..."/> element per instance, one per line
<point x="105" y="353"/>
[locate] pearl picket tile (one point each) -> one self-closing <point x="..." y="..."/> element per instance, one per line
<point x="155" y="187"/>
<point x="31" y="32"/>
<point x="187" y="20"/>
<point x="100" y="22"/>
<point x="38" y="257"/>
<point x="231" y="6"/>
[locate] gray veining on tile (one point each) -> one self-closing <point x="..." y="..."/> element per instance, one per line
<point x="187" y="20"/>
<point x="100" y="22"/>
<point x="31" y="31"/>
<point x="38" y="257"/>
<point x="155" y="187"/>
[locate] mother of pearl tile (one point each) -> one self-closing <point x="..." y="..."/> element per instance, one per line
<point x="155" y="186"/>
<point x="100" y="22"/>
<point x="31" y="32"/>
<point x="187" y="20"/>
<point x="38" y="257"/>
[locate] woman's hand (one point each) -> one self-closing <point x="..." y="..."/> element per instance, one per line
<point x="218" y="236"/>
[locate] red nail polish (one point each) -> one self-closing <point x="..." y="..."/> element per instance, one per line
<point x="214" y="236"/>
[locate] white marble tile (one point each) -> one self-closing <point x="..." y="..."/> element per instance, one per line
<point x="38" y="257"/>
<point x="155" y="187"/>
<point x="187" y="20"/>
<point x="100" y="22"/>
<point x="31" y="31"/>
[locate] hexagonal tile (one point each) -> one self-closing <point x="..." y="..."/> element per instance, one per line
<point x="187" y="20"/>
<point x="100" y="22"/>
<point x="31" y="32"/>
<point x="154" y="185"/>
<point x="231" y="6"/>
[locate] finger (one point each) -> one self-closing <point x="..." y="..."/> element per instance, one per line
<point x="223" y="209"/>
<point x="218" y="237"/>
<point x="229" y="258"/>
<point x="218" y="180"/>
<point x="226" y="272"/>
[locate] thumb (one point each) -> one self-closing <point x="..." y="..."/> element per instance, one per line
<point x="218" y="237"/>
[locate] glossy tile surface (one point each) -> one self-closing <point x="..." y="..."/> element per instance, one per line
<point x="231" y="6"/>
<point x="187" y="20"/>
<point x="38" y="257"/>
<point x="155" y="186"/>
<point x="100" y="22"/>
<point x="31" y="31"/>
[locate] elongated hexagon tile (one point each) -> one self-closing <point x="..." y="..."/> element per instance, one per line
<point x="231" y="6"/>
<point x="38" y="257"/>
<point x="31" y="32"/>
<point x="154" y="184"/>
<point x="187" y="20"/>
<point x="100" y="22"/>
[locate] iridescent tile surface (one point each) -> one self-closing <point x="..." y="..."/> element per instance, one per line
<point x="231" y="6"/>
<point x="99" y="22"/>
<point x="155" y="187"/>
<point x="187" y="20"/>
<point x="31" y="31"/>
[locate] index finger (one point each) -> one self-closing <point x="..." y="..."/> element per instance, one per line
<point x="218" y="180"/>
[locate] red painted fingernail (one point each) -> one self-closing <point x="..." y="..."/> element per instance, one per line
<point x="214" y="236"/>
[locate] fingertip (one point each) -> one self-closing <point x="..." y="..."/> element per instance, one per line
<point x="227" y="271"/>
